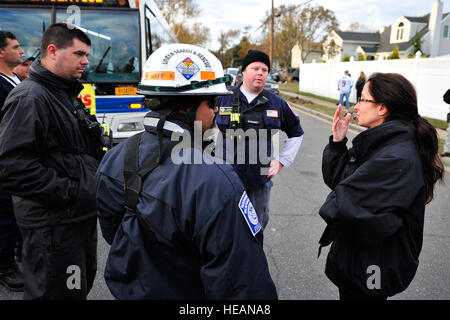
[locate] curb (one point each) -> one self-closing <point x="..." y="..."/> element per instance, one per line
<point x="445" y="160"/>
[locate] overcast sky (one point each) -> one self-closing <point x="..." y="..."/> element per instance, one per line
<point x="221" y="15"/>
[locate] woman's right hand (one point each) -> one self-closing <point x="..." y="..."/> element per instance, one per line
<point x="339" y="127"/>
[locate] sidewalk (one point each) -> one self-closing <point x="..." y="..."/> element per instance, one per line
<point x="441" y="133"/>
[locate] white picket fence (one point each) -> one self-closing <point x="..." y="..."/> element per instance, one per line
<point x="430" y="76"/>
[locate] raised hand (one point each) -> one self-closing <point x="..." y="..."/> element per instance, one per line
<point x="339" y="127"/>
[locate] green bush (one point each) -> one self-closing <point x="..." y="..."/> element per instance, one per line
<point x="394" y="54"/>
<point x="346" y="58"/>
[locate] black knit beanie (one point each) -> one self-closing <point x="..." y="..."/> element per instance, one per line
<point x="254" y="56"/>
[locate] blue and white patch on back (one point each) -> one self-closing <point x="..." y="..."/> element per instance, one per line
<point x="249" y="213"/>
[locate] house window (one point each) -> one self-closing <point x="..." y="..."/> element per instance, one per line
<point x="400" y="28"/>
<point x="446" y="35"/>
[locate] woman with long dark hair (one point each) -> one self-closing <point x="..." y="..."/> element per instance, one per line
<point x="360" y="85"/>
<point x="375" y="212"/>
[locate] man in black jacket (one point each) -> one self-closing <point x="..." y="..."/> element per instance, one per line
<point x="10" y="274"/>
<point x="49" y="152"/>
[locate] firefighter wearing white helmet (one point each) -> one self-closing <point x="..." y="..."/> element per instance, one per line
<point x="178" y="231"/>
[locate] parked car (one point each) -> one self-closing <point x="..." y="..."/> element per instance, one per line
<point x="272" y="85"/>
<point x="233" y="72"/>
<point x="275" y="76"/>
<point x="293" y="74"/>
<point x="296" y="76"/>
<point x="279" y="75"/>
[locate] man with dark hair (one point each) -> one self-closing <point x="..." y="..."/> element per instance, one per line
<point x="62" y="37"/>
<point x="252" y="107"/>
<point x="345" y="85"/>
<point x="10" y="275"/>
<point x="50" y="148"/>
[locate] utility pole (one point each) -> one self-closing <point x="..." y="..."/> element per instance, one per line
<point x="271" y="36"/>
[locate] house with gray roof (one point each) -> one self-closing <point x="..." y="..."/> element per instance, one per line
<point x="432" y="29"/>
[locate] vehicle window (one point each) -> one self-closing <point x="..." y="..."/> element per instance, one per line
<point x="159" y="34"/>
<point x="27" y="25"/>
<point x="114" y="35"/>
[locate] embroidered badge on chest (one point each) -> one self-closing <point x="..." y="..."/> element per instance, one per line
<point x="249" y="213"/>
<point x="187" y="68"/>
<point x="272" y="113"/>
<point x="225" y="110"/>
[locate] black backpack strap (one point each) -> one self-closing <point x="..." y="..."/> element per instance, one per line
<point x="134" y="174"/>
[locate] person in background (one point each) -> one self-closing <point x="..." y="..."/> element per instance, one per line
<point x="446" y="152"/>
<point x="345" y="84"/>
<point x="360" y="85"/>
<point x="50" y="148"/>
<point x="380" y="186"/>
<point x="10" y="275"/>
<point x="22" y="69"/>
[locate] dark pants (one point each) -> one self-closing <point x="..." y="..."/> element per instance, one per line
<point x="9" y="232"/>
<point x="260" y="199"/>
<point x="345" y="294"/>
<point x="60" y="262"/>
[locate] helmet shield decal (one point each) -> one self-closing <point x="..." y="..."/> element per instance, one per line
<point x="187" y="68"/>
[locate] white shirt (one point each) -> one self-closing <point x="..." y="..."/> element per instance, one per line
<point x="13" y="80"/>
<point x="344" y="84"/>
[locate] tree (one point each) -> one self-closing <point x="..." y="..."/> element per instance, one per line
<point x="306" y="28"/>
<point x="416" y="42"/>
<point x="331" y="49"/>
<point x="196" y="34"/>
<point x="362" y="57"/>
<point x="178" y="10"/>
<point x="394" y="54"/>
<point x="359" y="27"/>
<point x="225" y="40"/>
<point x="181" y="15"/>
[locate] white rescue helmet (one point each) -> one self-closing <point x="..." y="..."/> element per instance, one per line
<point x="183" y="69"/>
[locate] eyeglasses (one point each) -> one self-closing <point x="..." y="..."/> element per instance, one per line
<point x="365" y="100"/>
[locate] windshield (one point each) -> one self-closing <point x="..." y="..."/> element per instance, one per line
<point x="232" y="71"/>
<point x="29" y="31"/>
<point x="114" y="35"/>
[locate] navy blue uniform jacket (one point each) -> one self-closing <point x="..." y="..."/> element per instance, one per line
<point x="276" y="114"/>
<point x="203" y="247"/>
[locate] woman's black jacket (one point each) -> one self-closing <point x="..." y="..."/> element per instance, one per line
<point x="375" y="212"/>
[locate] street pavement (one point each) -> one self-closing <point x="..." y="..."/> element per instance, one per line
<point x="291" y="237"/>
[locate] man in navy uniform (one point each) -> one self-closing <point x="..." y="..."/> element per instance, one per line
<point x="252" y="107"/>
<point x="179" y="231"/>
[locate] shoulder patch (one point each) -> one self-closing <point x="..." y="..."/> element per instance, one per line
<point x="249" y="213"/>
<point x="292" y="109"/>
